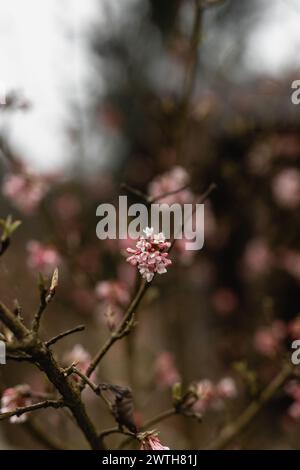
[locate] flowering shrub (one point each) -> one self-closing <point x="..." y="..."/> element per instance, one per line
<point x="151" y="255"/>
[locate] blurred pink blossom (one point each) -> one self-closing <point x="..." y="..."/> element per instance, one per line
<point x="224" y="301"/>
<point x="168" y="182"/>
<point x="16" y="397"/>
<point x="286" y="188"/>
<point x="113" y="292"/>
<point x="226" y="388"/>
<point x="267" y="340"/>
<point x="293" y="390"/>
<point x="150" y="255"/>
<point x="258" y="257"/>
<point x="80" y="357"/>
<point x="43" y="258"/>
<point x="212" y="396"/>
<point x="290" y="261"/>
<point x="206" y="393"/>
<point x="294" y="328"/>
<point x="24" y="191"/>
<point x="165" y="371"/>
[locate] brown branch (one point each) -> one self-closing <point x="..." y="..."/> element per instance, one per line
<point x="115" y="430"/>
<point x="231" y="431"/>
<point x="38" y="315"/>
<point x="12" y="322"/>
<point x="160" y="417"/>
<point x="42" y="357"/>
<point x="36" y="406"/>
<point x="54" y="340"/>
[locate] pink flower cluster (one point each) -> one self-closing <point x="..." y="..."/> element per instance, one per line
<point x="25" y="191"/>
<point x="293" y="390"/>
<point x="16" y="397"/>
<point x="152" y="442"/>
<point x="150" y="255"/>
<point x="168" y="182"/>
<point x="43" y="258"/>
<point x="212" y="396"/>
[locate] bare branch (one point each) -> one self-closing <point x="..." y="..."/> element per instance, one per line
<point x="12" y="322"/>
<point x="37" y="406"/>
<point x="54" y="340"/>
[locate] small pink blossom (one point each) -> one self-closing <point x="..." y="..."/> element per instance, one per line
<point x="16" y="397"/>
<point x="226" y="388"/>
<point x="171" y="181"/>
<point x="25" y="191"/>
<point x="43" y="258"/>
<point x="165" y="370"/>
<point x="286" y="188"/>
<point x="150" y="255"/>
<point x="152" y="442"/>
<point x="206" y="393"/>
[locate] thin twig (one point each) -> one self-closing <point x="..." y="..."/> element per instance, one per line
<point x="135" y="192"/>
<point x="115" y="430"/>
<point x="168" y="193"/>
<point x="38" y="315"/>
<point x="53" y="340"/>
<point x="115" y="336"/>
<point x="37" y="406"/>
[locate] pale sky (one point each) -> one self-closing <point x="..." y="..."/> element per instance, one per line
<point x="44" y="53"/>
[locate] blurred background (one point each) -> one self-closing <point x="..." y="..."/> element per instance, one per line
<point x="101" y="92"/>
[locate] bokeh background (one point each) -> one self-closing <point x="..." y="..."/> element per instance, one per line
<point x="98" y="93"/>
